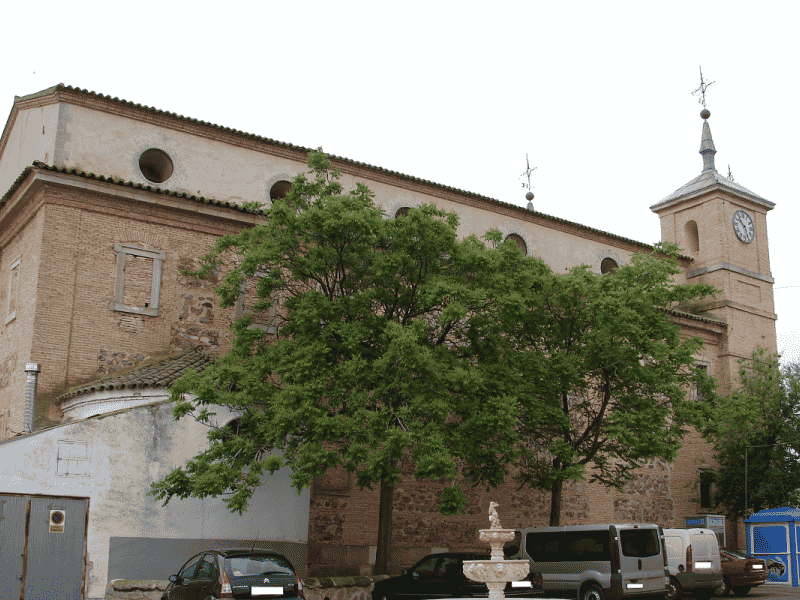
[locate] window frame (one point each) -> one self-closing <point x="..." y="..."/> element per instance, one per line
<point x="10" y="316"/>
<point x="158" y="257"/>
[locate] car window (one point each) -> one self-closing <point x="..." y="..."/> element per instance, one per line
<point x="450" y="567"/>
<point x="427" y="567"/>
<point x="187" y="571"/>
<point x="256" y="564"/>
<point x="207" y="568"/>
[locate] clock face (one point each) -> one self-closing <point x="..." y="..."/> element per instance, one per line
<point x="743" y="226"/>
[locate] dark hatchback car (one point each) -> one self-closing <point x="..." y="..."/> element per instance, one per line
<point x="235" y="573"/>
<point x="740" y="572"/>
<point x="442" y="576"/>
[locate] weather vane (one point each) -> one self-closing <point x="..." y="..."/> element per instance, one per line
<point x="701" y="91"/>
<point x="527" y="186"/>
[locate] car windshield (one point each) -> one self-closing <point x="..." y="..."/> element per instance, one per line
<point x="257" y="564"/>
<point x="737" y="553"/>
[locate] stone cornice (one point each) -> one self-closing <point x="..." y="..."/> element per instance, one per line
<point x="728" y="267"/>
<point x="36" y="177"/>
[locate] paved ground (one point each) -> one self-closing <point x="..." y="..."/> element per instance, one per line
<point x="772" y="591"/>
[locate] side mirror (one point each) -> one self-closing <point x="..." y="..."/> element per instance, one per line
<point x="176" y="579"/>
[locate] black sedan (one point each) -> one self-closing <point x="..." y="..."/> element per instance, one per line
<point x="442" y="576"/>
<point x="235" y="573"/>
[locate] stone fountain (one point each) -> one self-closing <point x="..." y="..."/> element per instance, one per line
<point x="497" y="571"/>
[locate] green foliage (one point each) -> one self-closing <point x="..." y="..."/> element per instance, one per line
<point x="601" y="370"/>
<point x="372" y="357"/>
<point x="762" y="419"/>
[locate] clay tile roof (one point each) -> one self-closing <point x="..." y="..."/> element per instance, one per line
<point x="161" y="374"/>
<point x="201" y="199"/>
<point x="333" y="157"/>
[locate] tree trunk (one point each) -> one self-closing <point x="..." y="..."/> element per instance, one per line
<point x="555" y="503"/>
<point x="384" y="529"/>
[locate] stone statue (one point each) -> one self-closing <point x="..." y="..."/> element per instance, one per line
<point x="493" y="518"/>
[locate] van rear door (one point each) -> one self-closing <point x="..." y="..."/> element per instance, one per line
<point x="641" y="559"/>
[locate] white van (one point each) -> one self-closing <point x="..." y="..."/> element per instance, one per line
<point x="596" y="562"/>
<point x="693" y="561"/>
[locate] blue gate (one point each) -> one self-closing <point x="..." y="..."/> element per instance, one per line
<point x="773" y="534"/>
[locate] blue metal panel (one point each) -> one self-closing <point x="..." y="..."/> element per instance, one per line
<point x="12" y="544"/>
<point x="55" y="566"/>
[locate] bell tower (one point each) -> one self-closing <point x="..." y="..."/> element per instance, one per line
<point x="723" y="226"/>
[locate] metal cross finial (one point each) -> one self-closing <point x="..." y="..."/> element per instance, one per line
<point x="701" y="91"/>
<point x="527" y="173"/>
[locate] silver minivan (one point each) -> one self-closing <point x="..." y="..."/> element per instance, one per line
<point x="694" y="563"/>
<point x="595" y="562"/>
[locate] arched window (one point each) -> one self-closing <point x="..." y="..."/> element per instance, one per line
<point x="279" y="189"/>
<point x="517" y="239"/>
<point x="608" y="265"/>
<point x="691" y="237"/>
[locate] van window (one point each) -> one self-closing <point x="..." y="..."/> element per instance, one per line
<point x="568" y="546"/>
<point x="701" y="545"/>
<point x="639" y="542"/>
<point x="674" y="546"/>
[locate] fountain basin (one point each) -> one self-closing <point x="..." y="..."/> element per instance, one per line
<point x="496" y="570"/>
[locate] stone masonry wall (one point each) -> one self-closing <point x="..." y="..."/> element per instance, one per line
<point x="77" y="334"/>
<point x="341" y="588"/>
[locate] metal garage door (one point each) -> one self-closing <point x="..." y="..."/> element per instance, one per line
<point x="42" y="547"/>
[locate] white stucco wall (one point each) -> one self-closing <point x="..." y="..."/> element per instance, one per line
<point x="32" y="137"/>
<point x="126" y="451"/>
<point x="106" y="144"/>
<point x="111" y="145"/>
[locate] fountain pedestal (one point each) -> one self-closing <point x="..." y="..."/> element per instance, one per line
<point x="497" y="571"/>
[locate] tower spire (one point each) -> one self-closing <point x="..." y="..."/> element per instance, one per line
<point x="707" y="149"/>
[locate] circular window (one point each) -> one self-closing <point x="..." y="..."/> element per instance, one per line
<point x="280" y="189"/>
<point x="155" y="165"/>
<point x="608" y="265"/>
<point x="517" y="239"/>
<point x="401" y="212"/>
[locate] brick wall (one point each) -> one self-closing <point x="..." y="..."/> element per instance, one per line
<point x="68" y="279"/>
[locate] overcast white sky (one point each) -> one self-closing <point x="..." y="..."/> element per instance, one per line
<point x="598" y="94"/>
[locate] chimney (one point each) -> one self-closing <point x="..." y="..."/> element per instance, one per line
<point x="32" y="369"/>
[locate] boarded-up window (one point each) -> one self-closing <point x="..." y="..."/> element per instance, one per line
<point x="245" y="306"/>
<point x="517" y="239"/>
<point x="13" y="290"/>
<point x="138" y="280"/>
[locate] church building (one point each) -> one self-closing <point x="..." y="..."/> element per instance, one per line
<point x="106" y="204"/>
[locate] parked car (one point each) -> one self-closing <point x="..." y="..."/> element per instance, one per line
<point x="235" y="573"/>
<point x="740" y="572"/>
<point x="595" y="562"/>
<point x="694" y="564"/>
<point x="442" y="576"/>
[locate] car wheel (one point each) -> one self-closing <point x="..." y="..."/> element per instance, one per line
<point x="674" y="590"/>
<point x="741" y="590"/>
<point x="724" y="589"/>
<point x="592" y="592"/>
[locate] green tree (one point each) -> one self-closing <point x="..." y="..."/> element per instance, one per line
<point x="760" y="420"/>
<point x="367" y="358"/>
<point x="602" y="370"/>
